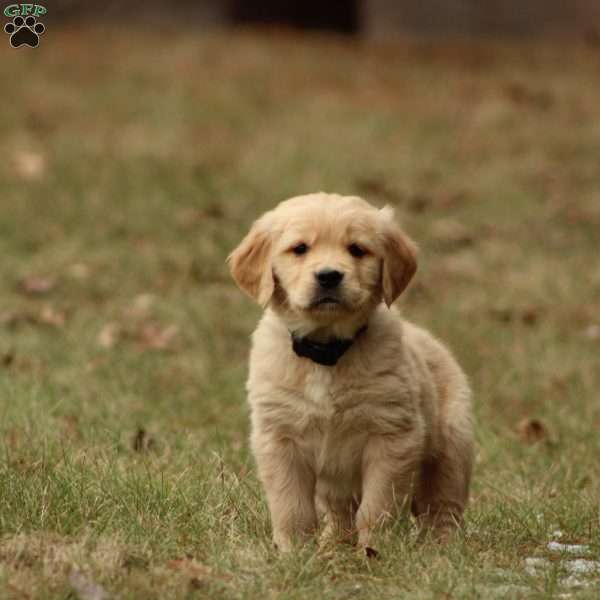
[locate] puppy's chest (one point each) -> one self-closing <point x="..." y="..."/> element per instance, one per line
<point x="335" y="410"/>
<point x="319" y="394"/>
<point x="331" y="412"/>
<point x="330" y="432"/>
<point x="324" y="401"/>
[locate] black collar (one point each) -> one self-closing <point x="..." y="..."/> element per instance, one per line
<point x="323" y="354"/>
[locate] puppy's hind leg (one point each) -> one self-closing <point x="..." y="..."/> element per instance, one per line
<point x="442" y="487"/>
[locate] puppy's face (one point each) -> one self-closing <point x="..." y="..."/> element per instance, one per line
<point x="325" y="261"/>
<point x="324" y="258"/>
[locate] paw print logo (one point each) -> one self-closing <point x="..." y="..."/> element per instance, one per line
<point x="24" y="32"/>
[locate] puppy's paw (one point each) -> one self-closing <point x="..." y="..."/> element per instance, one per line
<point x="367" y="552"/>
<point x="282" y="545"/>
<point x="438" y="534"/>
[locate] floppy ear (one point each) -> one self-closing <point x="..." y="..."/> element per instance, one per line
<point x="400" y="259"/>
<point x="250" y="262"/>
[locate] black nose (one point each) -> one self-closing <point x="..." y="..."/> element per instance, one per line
<point x="329" y="278"/>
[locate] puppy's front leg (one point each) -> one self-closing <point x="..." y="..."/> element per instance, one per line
<point x="388" y="464"/>
<point x="290" y="487"/>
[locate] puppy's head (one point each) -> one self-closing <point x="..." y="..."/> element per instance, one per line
<point x="324" y="258"/>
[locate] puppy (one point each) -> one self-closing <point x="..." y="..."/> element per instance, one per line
<point x="354" y="410"/>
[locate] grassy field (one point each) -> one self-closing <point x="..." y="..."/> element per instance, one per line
<point x="132" y="164"/>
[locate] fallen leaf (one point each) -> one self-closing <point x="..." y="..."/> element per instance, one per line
<point x="592" y="332"/>
<point x="419" y="203"/>
<point x="452" y="198"/>
<point x="189" y="565"/>
<point x="528" y="316"/>
<point x="504" y="315"/>
<point x="196" y="583"/>
<point x="30" y="165"/>
<point x="93" y="364"/>
<point x="79" y="271"/>
<point x="52" y="317"/>
<point x="8" y="358"/>
<point x="197" y="570"/>
<point x="108" y="335"/>
<point x="71" y="426"/>
<point x="142" y="442"/>
<point x="34" y="285"/>
<point x="11" y="360"/>
<point x="86" y="588"/>
<point x="214" y="212"/>
<point x="521" y="94"/>
<point x="12" y="319"/>
<point x="139" y="306"/>
<point x="532" y="431"/>
<point x="155" y="337"/>
<point x="143" y="301"/>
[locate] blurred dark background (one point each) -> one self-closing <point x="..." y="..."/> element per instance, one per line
<point x="370" y="18"/>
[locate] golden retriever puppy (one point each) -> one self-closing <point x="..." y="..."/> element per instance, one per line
<point x="354" y="410"/>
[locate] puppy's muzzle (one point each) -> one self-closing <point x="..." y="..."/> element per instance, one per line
<point x="328" y="289"/>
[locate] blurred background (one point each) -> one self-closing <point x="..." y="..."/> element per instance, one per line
<point x="140" y="140"/>
<point x="364" y="18"/>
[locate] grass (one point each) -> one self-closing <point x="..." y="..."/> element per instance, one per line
<point x="132" y="166"/>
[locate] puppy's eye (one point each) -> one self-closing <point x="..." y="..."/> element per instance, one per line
<point x="300" y="249"/>
<point x="356" y="250"/>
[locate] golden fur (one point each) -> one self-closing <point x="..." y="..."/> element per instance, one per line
<point x="391" y="422"/>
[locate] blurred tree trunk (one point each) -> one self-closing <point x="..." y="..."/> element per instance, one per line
<point x="335" y="15"/>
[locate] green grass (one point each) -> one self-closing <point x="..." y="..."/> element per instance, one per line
<point x="155" y="157"/>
